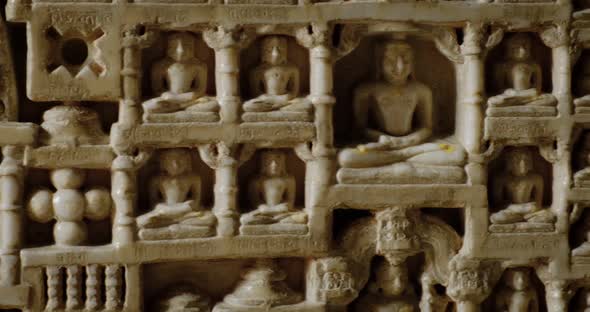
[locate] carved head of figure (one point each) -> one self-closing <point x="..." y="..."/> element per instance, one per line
<point x="274" y="50"/>
<point x="517" y="279"/>
<point x="520" y="161"/>
<point x="181" y="46"/>
<point x="273" y="163"/>
<point x="175" y="161"/>
<point x="68" y="178"/>
<point x="398" y="62"/>
<point x="390" y="279"/>
<point x="518" y="47"/>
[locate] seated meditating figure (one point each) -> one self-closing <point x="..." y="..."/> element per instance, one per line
<point x="391" y="290"/>
<point x="521" y="79"/>
<point x="181" y="80"/>
<point x="517" y="293"/>
<point x="273" y="195"/>
<point x="401" y="108"/>
<point x="519" y="191"/>
<point x="175" y="195"/>
<point x="582" y="177"/>
<point x="275" y="83"/>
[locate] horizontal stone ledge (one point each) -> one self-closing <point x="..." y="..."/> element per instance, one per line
<point x="518" y="15"/>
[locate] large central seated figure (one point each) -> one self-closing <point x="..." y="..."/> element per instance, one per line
<point x="401" y="109"/>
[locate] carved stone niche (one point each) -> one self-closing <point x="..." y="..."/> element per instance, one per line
<point x="272" y="194"/>
<point x="179" y="197"/>
<point x="383" y="249"/>
<point x="398" y="132"/>
<point x="520" y="192"/>
<point x="581" y="160"/>
<point x="248" y="285"/>
<point x="519" y="289"/>
<point x="179" y="80"/>
<point x="518" y="78"/>
<point x="71" y="208"/>
<point x="274" y="78"/>
<point x="579" y="235"/>
<point x="581" y="83"/>
<point x="581" y="300"/>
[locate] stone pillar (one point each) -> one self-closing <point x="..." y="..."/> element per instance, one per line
<point x="11" y="192"/>
<point x="123" y="170"/>
<point x="557" y="38"/>
<point x="557" y="295"/>
<point x="225" y="160"/>
<point x="123" y="186"/>
<point x="227" y="44"/>
<point x="470" y="110"/>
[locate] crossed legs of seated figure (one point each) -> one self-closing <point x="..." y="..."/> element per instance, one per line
<point x="165" y="215"/>
<point x="526" y="212"/>
<point x="265" y="103"/>
<point x="162" y="106"/>
<point x="271" y="215"/>
<point x="430" y="162"/>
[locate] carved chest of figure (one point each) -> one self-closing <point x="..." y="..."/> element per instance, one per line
<point x="295" y="155"/>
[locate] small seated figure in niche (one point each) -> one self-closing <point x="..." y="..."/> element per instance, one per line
<point x="182" y="298"/>
<point x="273" y="195"/>
<point x="517" y="294"/>
<point x="175" y="195"/>
<point x="263" y="286"/>
<point x="520" y="192"/>
<point x="582" y="104"/>
<point x="72" y="124"/>
<point x="181" y="80"/>
<point x="391" y="290"/>
<point x="582" y="303"/>
<point x="402" y="110"/>
<point x="69" y="206"/>
<point x="275" y="83"/>
<point x="521" y="79"/>
<point x="582" y="177"/>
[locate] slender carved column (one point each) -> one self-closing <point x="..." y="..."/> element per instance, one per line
<point x="124" y="193"/>
<point x="134" y="40"/>
<point x="225" y="160"/>
<point x="227" y="43"/>
<point x="93" y="286"/>
<point x="321" y="83"/>
<point x="11" y="190"/>
<point x="557" y="295"/>
<point x="113" y="286"/>
<point x="557" y="38"/>
<point x="54" y="288"/>
<point x="125" y="165"/>
<point x="73" y="287"/>
<point x="470" y="114"/>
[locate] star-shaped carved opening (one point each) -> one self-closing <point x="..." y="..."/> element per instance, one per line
<point x="74" y="51"/>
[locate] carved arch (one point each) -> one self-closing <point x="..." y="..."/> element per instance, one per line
<point x="438" y="241"/>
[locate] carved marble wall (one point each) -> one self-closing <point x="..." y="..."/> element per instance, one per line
<point x="295" y="155"/>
